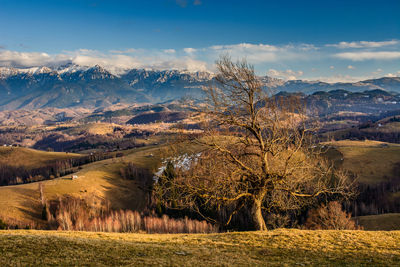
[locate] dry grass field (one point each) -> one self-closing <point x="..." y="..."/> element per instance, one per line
<point x="92" y="128"/>
<point x="282" y="247"/>
<point x="100" y="180"/>
<point x="372" y="161"/>
<point x="31" y="158"/>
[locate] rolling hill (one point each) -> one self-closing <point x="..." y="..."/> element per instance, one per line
<point x="372" y="161"/>
<point x="100" y="180"/>
<point x="31" y="158"/>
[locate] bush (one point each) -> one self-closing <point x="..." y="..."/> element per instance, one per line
<point x="3" y="225"/>
<point x="276" y="220"/>
<point x="330" y="217"/>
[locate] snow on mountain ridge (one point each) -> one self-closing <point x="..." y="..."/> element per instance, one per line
<point x="160" y="76"/>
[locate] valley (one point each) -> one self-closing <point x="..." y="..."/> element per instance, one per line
<point x="199" y="133"/>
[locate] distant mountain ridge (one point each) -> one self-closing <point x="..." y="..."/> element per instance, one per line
<point x="70" y="86"/>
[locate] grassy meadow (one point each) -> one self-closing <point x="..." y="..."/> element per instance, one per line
<point x="31" y="158"/>
<point x="371" y="161"/>
<point x="282" y="247"/>
<point x="100" y="180"/>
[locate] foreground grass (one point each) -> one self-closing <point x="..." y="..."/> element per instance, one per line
<point x="273" y="248"/>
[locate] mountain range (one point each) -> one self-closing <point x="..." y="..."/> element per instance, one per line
<point x="73" y="86"/>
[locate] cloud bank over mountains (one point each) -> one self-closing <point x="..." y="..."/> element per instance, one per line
<point x="327" y="62"/>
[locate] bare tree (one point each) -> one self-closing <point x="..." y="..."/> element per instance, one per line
<point x="258" y="155"/>
<point x="330" y="217"/>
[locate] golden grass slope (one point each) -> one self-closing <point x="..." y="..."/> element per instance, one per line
<point x="92" y="128"/>
<point x="99" y="180"/>
<point x="282" y="247"/>
<point x="372" y="161"/>
<point x="30" y="158"/>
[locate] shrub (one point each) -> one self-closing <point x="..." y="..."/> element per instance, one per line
<point x="330" y="217"/>
<point x="276" y="220"/>
<point x="3" y="225"/>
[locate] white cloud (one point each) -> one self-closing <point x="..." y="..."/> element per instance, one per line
<point x="286" y="74"/>
<point x="185" y="63"/>
<point x="189" y="50"/>
<point x="26" y="59"/>
<point x="339" y="78"/>
<point x="169" y="51"/>
<point x="126" y="51"/>
<point x="396" y="74"/>
<point x="262" y="53"/>
<point x="246" y="47"/>
<point x="350" y="78"/>
<point x="115" y="62"/>
<point x="361" y="56"/>
<point x="363" y="44"/>
<point x="307" y="47"/>
<point x="263" y="56"/>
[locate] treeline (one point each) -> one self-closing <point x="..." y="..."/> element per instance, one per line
<point x="12" y="175"/>
<point x="377" y="199"/>
<point x="57" y="140"/>
<point x="363" y="132"/>
<point x="61" y="142"/>
<point x="74" y="214"/>
<point x="143" y="176"/>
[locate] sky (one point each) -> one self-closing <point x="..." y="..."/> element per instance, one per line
<point x="313" y="40"/>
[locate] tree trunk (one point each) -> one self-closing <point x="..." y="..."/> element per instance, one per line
<point x="256" y="213"/>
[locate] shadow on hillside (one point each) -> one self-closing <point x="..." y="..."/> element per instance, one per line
<point x="29" y="203"/>
<point x="125" y="193"/>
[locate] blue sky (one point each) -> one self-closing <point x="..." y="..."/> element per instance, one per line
<point x="326" y="40"/>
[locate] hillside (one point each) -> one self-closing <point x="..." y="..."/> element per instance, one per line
<point x="280" y="247"/>
<point x="372" y="161"/>
<point x="31" y="158"/>
<point x="157" y="116"/>
<point x="100" y="180"/>
<point x="92" y="128"/>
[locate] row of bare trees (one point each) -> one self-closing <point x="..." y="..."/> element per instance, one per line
<point x="12" y="175"/>
<point x="75" y="214"/>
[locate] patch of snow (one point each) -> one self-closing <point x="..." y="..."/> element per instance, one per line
<point x="181" y="162"/>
